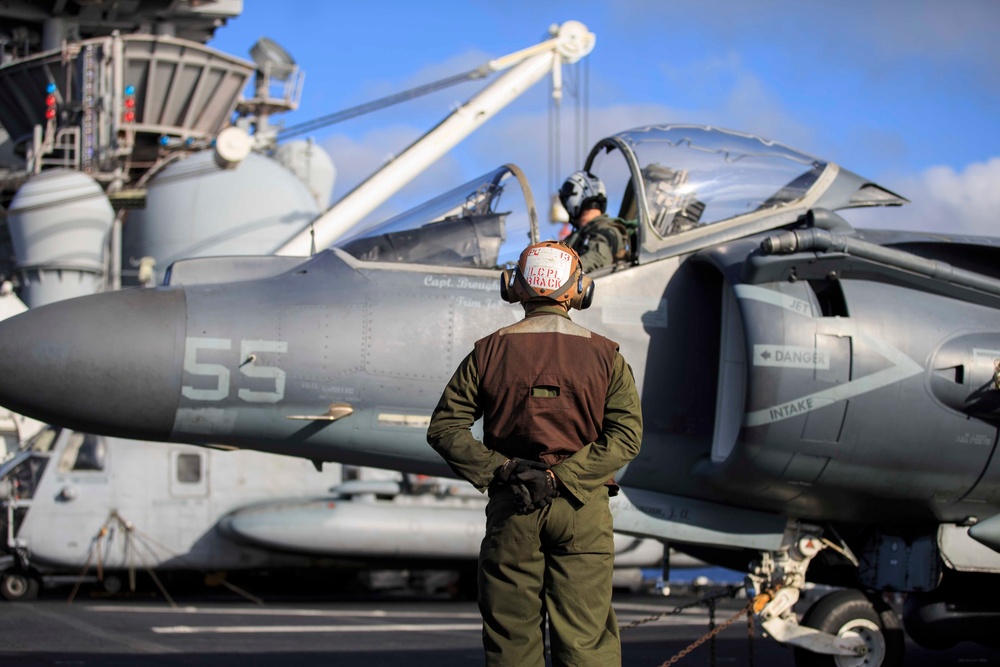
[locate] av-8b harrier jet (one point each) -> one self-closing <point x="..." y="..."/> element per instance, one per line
<point x="820" y="401"/>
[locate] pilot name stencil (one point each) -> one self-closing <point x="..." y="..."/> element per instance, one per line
<point x="460" y="282"/>
<point x="790" y="356"/>
<point x="465" y="302"/>
<point x="479" y="285"/>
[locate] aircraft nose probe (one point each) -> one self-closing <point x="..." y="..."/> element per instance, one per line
<point x="74" y="364"/>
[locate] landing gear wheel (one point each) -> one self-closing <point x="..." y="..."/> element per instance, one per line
<point x="851" y="614"/>
<point x="112" y="584"/>
<point x="17" y="586"/>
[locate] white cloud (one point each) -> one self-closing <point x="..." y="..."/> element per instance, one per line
<point x="970" y="199"/>
<point x="944" y="201"/>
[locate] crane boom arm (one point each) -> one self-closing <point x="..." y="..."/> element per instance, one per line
<point x="572" y="41"/>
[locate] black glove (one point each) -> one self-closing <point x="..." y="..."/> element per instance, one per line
<point x="532" y="484"/>
<point x="514" y="467"/>
<point x="533" y="489"/>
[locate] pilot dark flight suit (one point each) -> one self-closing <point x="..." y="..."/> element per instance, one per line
<point x="548" y="390"/>
<point x="600" y="242"/>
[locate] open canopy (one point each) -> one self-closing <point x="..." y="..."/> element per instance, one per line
<point x="685" y="186"/>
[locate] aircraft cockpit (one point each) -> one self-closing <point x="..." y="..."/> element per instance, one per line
<point x="481" y="224"/>
<point x="681" y="185"/>
<point x="19" y="476"/>
<point x="22" y="475"/>
<point x="696" y="180"/>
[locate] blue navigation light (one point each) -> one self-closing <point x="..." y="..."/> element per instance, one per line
<point x="51" y="88"/>
<point x="164" y="140"/>
<point x="130" y="90"/>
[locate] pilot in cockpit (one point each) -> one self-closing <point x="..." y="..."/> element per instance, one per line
<point x="599" y="240"/>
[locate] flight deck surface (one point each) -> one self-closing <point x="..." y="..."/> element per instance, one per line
<point x="369" y="632"/>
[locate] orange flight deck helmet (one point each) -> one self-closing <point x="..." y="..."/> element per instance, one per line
<point x="548" y="270"/>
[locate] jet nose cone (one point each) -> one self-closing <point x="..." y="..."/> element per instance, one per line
<point x="108" y="363"/>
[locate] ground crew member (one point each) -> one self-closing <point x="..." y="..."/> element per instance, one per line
<point x="561" y="415"/>
<point x="598" y="239"/>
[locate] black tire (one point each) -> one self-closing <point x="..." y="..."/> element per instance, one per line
<point x="17" y="586"/>
<point x="112" y="584"/>
<point x="848" y="611"/>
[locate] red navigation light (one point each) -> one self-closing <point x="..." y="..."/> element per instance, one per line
<point x="50" y="102"/>
<point x="129" y="104"/>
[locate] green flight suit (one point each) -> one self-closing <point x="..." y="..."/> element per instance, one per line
<point x="555" y="562"/>
<point x="599" y="243"/>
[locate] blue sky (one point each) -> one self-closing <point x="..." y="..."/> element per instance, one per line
<point x="905" y="92"/>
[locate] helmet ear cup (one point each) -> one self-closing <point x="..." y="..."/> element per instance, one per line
<point x="584" y="292"/>
<point x="588" y="295"/>
<point x="507" y="292"/>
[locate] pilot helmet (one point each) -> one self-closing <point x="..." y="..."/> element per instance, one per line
<point x="549" y="270"/>
<point x="582" y="191"/>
